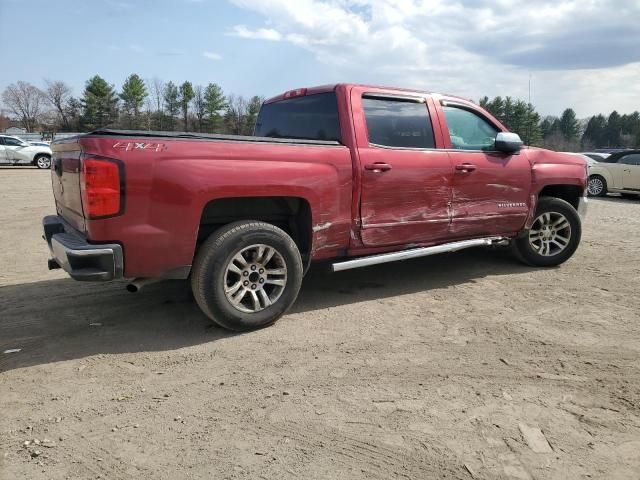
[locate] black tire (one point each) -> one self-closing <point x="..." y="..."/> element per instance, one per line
<point x="209" y="276"/>
<point x="592" y="190"/>
<point x="530" y="255"/>
<point x="42" y="161"/>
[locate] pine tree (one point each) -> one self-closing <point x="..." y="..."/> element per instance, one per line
<point x="133" y="94"/>
<point x="186" y="95"/>
<point x="518" y="116"/>
<point x="614" y="130"/>
<point x="507" y="112"/>
<point x="252" y="114"/>
<point x="215" y="103"/>
<point x="595" y="132"/>
<point x="99" y="102"/>
<point x="171" y="104"/>
<point x="569" y="125"/>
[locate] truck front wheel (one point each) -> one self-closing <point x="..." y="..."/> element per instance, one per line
<point x="554" y="235"/>
<point x="246" y="275"/>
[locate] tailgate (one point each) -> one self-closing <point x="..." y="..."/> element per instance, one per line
<point x="65" y="179"/>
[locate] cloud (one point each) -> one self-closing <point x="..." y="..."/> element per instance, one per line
<point x="471" y="47"/>
<point x="259" y="34"/>
<point x="136" y="48"/>
<point x="212" y="55"/>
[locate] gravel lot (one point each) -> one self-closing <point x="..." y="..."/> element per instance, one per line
<point x="467" y="365"/>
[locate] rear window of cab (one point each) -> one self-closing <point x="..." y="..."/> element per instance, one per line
<point x="310" y="117"/>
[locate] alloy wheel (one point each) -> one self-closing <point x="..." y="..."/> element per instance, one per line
<point x="550" y="234"/>
<point x="43" y="162"/>
<point x="595" y="186"/>
<point x="255" y="278"/>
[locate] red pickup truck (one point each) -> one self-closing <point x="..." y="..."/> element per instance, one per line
<point x="352" y="174"/>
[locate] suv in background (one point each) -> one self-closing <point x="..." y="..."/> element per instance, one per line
<point x="618" y="173"/>
<point x="15" y="151"/>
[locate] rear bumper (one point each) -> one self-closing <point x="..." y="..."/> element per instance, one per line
<point x="80" y="259"/>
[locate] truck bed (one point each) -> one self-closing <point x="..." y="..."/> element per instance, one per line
<point x="104" y="132"/>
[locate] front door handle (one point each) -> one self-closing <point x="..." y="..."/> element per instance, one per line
<point x="378" y="167"/>
<point x="466" y="167"/>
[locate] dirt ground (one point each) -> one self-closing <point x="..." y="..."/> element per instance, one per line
<point x="462" y="366"/>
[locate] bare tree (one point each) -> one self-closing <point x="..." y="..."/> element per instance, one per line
<point x="25" y="101"/>
<point x="199" y="104"/>
<point x="58" y="94"/>
<point x="236" y="113"/>
<point x="156" y="91"/>
<point x="148" y="112"/>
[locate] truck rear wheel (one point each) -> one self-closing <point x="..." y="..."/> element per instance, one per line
<point x="246" y="275"/>
<point x="554" y="235"/>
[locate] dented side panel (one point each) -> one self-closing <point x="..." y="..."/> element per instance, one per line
<point x="494" y="198"/>
<point x="410" y="202"/>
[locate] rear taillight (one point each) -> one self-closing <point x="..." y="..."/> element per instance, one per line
<point x="102" y="187"/>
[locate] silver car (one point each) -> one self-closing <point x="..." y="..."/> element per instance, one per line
<point x="15" y="151"/>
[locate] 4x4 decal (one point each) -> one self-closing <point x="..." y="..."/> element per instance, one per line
<point x="128" y="146"/>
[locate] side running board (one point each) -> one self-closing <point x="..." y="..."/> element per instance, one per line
<point x="417" y="252"/>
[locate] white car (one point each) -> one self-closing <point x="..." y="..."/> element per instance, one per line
<point x="618" y="173"/>
<point x="15" y="151"/>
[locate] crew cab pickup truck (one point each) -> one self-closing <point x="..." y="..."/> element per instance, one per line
<point x="347" y="174"/>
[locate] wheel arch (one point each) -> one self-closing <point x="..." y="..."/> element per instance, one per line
<point x="602" y="172"/>
<point x="290" y="213"/>
<point x="40" y="154"/>
<point x="569" y="193"/>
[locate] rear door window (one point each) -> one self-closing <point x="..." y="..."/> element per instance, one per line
<point x="631" y="159"/>
<point x="311" y="117"/>
<point x="398" y="123"/>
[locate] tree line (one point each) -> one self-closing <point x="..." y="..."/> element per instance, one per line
<point x="154" y="104"/>
<point x="139" y="105"/>
<point x="567" y="132"/>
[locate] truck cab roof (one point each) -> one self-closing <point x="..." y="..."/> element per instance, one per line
<point x="334" y="86"/>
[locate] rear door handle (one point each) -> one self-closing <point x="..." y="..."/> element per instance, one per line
<point x="378" y="167"/>
<point x="465" y="167"/>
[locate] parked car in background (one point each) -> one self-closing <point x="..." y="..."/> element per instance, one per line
<point x="15" y="151"/>
<point x="619" y="173"/>
<point x="597" y="156"/>
<point x="590" y="161"/>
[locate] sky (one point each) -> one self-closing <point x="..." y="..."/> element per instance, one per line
<point x="583" y="54"/>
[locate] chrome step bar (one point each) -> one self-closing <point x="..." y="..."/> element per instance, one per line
<point x="417" y="252"/>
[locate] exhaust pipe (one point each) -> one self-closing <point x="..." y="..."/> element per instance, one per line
<point x="138" y="283"/>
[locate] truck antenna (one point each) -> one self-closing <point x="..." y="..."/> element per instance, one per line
<point x="529" y="114"/>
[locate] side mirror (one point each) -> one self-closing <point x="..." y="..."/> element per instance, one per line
<point x="508" y="142"/>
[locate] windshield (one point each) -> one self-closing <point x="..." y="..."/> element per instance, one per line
<point x="312" y="117"/>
